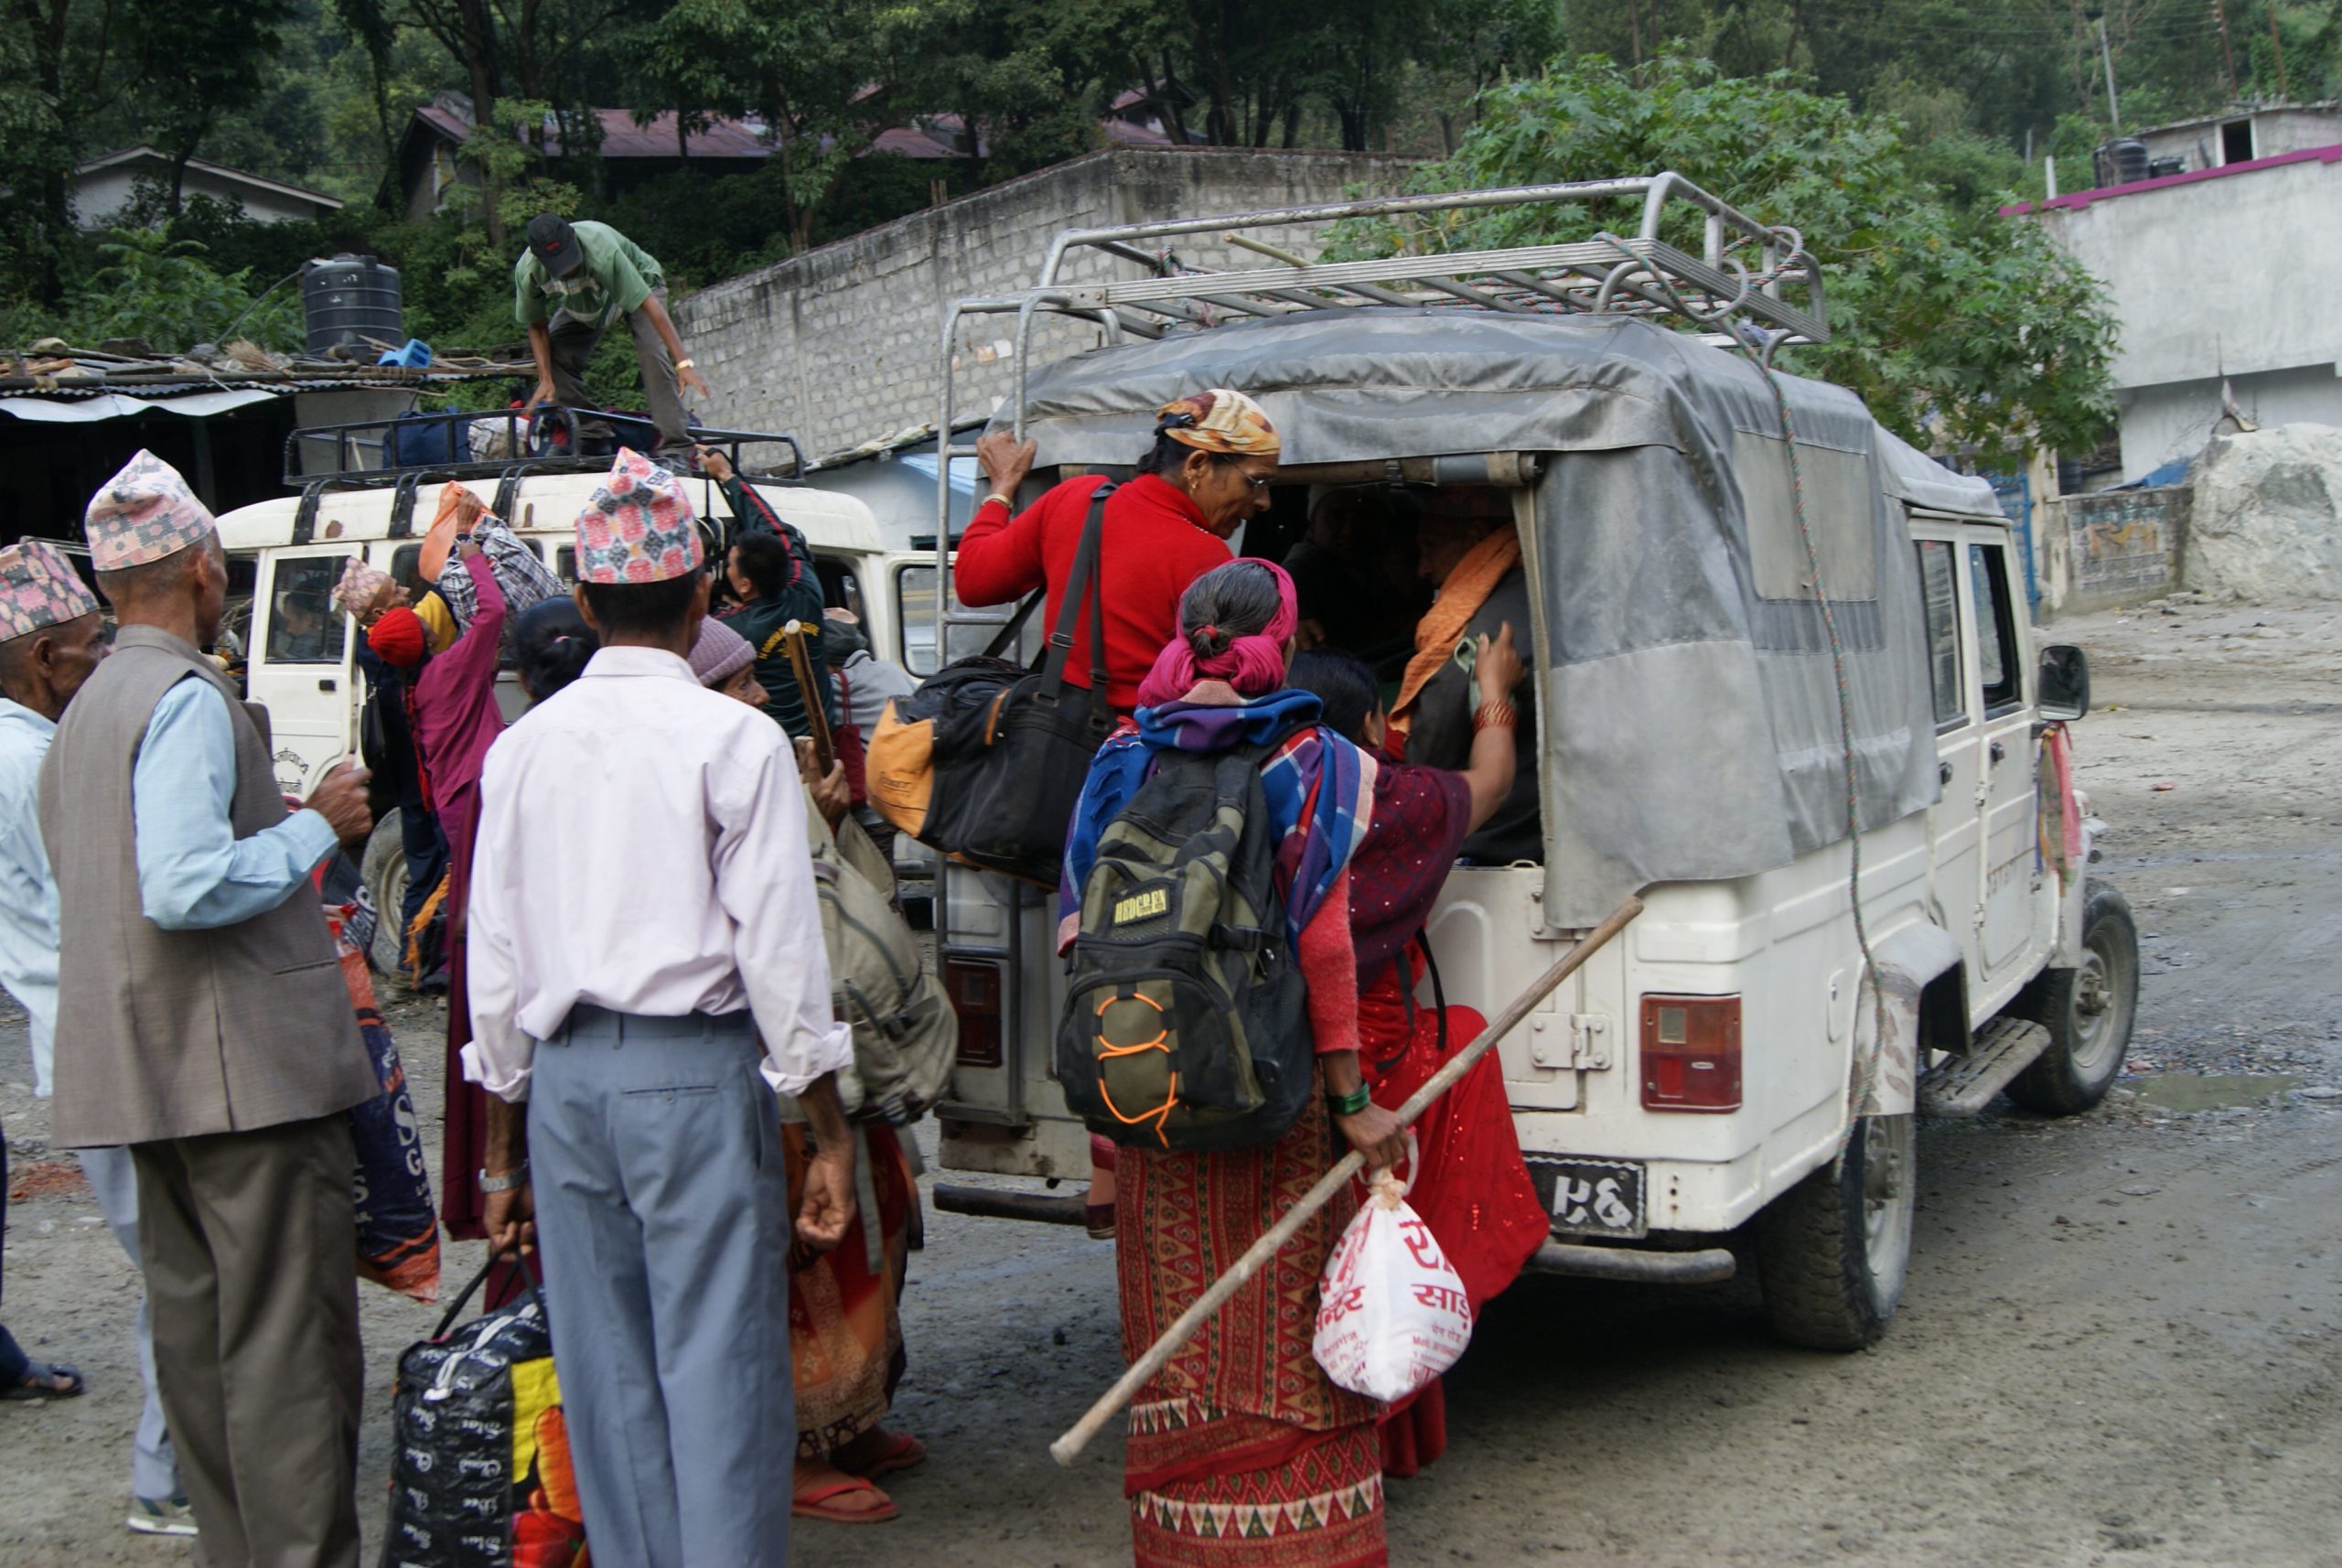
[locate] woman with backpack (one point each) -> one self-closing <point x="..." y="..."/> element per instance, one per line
<point x="1241" y="1451"/>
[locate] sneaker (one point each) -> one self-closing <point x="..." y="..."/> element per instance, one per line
<point x="161" y="1516"/>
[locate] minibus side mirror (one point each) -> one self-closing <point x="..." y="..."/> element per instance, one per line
<point x="2065" y="682"/>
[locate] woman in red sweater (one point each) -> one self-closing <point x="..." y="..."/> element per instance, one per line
<point x="1210" y="469"/>
<point x="1214" y="455"/>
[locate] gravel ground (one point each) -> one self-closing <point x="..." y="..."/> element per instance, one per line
<point x="2121" y="1343"/>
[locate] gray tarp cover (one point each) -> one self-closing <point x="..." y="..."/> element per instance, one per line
<point x="1691" y="716"/>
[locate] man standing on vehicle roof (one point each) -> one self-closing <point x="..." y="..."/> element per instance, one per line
<point x="205" y="1025"/>
<point x="566" y="287"/>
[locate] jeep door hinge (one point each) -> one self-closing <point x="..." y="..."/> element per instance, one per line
<point x="1590" y="1041"/>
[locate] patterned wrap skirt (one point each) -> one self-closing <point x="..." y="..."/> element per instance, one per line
<point x="1241" y="1453"/>
<point x="845" y="1328"/>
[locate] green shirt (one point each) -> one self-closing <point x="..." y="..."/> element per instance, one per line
<point x="614" y="278"/>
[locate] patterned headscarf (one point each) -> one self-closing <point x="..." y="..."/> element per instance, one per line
<point x="639" y="528"/>
<point x="143" y="514"/>
<point x="359" y="582"/>
<point x="1222" y="421"/>
<point x="39" y="589"/>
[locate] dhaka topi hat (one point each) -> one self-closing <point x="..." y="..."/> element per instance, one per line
<point x="720" y="653"/>
<point x="1220" y="420"/>
<point x="39" y="589"/>
<point x="144" y="514"/>
<point x="639" y="528"/>
<point x="397" y="638"/>
<point x="359" y="582"/>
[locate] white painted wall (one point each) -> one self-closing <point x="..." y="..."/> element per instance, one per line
<point x="99" y="194"/>
<point x="2212" y="276"/>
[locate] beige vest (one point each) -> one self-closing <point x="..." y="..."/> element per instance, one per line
<point x="177" y="1034"/>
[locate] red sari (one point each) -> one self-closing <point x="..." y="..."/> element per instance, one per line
<point x="1470" y="1185"/>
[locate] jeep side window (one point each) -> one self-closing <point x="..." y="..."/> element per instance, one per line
<point x="302" y="627"/>
<point x="1940" y="595"/>
<point x="1995" y="631"/>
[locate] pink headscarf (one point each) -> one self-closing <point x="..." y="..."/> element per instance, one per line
<point x="1254" y="665"/>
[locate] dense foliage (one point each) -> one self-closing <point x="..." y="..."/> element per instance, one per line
<point x="1954" y="324"/>
<point x="1887" y="126"/>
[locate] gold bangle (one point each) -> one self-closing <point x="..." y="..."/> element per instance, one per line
<point x="1003" y="500"/>
<point x="1496" y="713"/>
<point x="684" y="363"/>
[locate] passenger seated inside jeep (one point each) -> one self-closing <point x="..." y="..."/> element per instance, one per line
<point x="1467" y="552"/>
<point x="1354" y="574"/>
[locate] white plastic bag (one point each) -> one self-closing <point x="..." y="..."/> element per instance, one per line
<point x="1391" y="1313"/>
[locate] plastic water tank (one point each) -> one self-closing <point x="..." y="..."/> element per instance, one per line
<point x="348" y="299"/>
<point x="2122" y="161"/>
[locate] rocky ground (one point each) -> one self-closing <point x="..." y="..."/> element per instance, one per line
<point x="2121" y="1343"/>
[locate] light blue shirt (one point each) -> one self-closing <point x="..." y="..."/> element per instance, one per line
<point x="194" y="873"/>
<point x="28" y="891"/>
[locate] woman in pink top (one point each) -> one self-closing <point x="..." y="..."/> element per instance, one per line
<point x="455" y="721"/>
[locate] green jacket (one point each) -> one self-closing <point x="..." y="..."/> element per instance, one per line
<point x="762" y="621"/>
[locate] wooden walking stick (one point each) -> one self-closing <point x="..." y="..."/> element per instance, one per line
<point x="1078" y="1437"/>
<point x="817" y="722"/>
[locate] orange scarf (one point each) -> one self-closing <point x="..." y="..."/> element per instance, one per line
<point x="1460" y="597"/>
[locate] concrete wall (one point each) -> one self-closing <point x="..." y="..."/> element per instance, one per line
<point x="2162" y="423"/>
<point x="840" y="345"/>
<point x="2214" y="275"/>
<point x="2119" y="547"/>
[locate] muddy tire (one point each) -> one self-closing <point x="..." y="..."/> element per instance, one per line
<point x="2088" y="1010"/>
<point x="383" y="867"/>
<point x="1832" y="1252"/>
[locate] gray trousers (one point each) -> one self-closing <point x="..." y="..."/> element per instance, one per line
<point x="662" y="1200"/>
<point x="154" y="1468"/>
<point x="573" y="350"/>
<point x="250" y="1241"/>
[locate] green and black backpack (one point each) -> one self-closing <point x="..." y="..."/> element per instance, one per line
<point x="1186" y="1024"/>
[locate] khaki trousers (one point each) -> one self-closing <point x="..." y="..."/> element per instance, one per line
<point x="250" y="1248"/>
<point x="574" y="342"/>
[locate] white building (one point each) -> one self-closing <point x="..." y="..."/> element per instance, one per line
<point x="2216" y="272"/>
<point x="104" y="186"/>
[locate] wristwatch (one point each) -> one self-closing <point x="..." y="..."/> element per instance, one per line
<point x="517" y="1177"/>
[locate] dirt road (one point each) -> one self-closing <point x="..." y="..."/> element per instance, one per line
<point x="2121" y="1340"/>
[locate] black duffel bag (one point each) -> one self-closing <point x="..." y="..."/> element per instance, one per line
<point x="985" y="760"/>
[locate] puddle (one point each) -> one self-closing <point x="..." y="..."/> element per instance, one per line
<point x="2209" y="1091"/>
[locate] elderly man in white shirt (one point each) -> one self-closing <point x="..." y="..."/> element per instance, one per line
<point x="642" y="912"/>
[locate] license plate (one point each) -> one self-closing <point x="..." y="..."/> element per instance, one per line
<point x="1592" y="1197"/>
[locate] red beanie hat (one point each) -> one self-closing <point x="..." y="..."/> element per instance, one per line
<point x="397" y="638"/>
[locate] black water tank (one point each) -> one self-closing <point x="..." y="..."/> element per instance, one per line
<point x="350" y="299"/>
<point x="2122" y="161"/>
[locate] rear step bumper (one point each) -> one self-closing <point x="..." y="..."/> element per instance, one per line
<point x="1634" y="1263"/>
<point x="1004" y="1203"/>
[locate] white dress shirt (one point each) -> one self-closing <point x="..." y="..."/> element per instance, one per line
<point x="642" y="848"/>
<point x="28" y="891"/>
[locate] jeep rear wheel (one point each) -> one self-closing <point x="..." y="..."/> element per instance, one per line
<point x="2088" y="1009"/>
<point x="383" y="867"/>
<point x="1832" y="1252"/>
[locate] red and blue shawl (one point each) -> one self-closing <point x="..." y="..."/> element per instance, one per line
<point x="1319" y="789"/>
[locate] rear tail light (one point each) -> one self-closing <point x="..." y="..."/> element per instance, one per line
<point x="975" y="988"/>
<point x="1691" y="1053"/>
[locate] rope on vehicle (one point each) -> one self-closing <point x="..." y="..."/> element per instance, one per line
<point x="1865" y="1063"/>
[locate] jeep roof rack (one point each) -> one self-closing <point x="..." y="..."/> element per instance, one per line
<point x="356" y="455"/>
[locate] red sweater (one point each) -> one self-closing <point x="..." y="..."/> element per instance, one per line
<point x="1154" y="544"/>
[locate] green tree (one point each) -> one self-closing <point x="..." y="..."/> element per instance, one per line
<point x="1957" y="325"/>
<point x="165" y="292"/>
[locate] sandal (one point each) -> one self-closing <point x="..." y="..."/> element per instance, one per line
<point x="40" y="1382"/>
<point x="900" y="1451"/>
<point x="808" y="1505"/>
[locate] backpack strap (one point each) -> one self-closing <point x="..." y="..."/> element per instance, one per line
<point x="1005" y="638"/>
<point x="1088" y="578"/>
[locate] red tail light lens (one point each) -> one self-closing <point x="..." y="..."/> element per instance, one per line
<point x="974" y="989"/>
<point x="1691" y="1053"/>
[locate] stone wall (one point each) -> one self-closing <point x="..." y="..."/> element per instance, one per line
<point x="840" y="346"/>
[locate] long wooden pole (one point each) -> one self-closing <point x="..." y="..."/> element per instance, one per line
<point x="817" y="722"/>
<point x="1078" y="1437"/>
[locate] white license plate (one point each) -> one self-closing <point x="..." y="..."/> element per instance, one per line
<point x="1592" y="1197"/>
